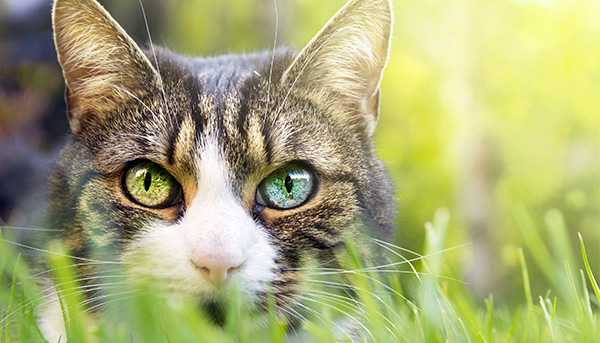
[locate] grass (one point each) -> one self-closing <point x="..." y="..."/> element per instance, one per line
<point x="410" y="297"/>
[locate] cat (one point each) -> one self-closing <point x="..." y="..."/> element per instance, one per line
<point x="202" y="172"/>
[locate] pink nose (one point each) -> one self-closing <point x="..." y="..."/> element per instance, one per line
<point x="216" y="268"/>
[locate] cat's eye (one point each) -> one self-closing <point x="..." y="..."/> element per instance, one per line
<point x="150" y="185"/>
<point x="286" y="188"/>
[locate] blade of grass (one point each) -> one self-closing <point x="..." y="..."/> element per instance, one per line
<point x="525" y="275"/>
<point x="588" y="268"/>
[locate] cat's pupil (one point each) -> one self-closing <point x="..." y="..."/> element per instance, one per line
<point x="147" y="180"/>
<point x="288" y="183"/>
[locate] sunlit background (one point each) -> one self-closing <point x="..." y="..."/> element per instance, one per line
<point x="489" y="109"/>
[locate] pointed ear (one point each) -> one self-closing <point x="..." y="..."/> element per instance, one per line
<point x="343" y="64"/>
<point x="102" y="66"/>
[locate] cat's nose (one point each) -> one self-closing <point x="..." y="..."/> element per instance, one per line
<point x="217" y="268"/>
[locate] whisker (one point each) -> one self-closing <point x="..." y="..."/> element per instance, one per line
<point x="293" y="315"/>
<point x="353" y="302"/>
<point x="342" y="312"/>
<point x="80" y="264"/>
<point x="375" y="268"/>
<point x="341" y="286"/>
<point x="302" y="269"/>
<point x="270" y="81"/>
<point x="349" y="302"/>
<point x="290" y="310"/>
<point x="47" y="298"/>
<point x="77" y="281"/>
<point x="385" y="271"/>
<point x="443" y="277"/>
<point x="98" y="286"/>
<point x="55" y="253"/>
<point x="379" y="241"/>
<point x="5" y="320"/>
<point x="52" y="290"/>
<point x="412" y="267"/>
<point x="412" y="259"/>
<point x="104" y="296"/>
<point x="153" y="50"/>
<point x="320" y="317"/>
<point x="382" y="284"/>
<point x="294" y="302"/>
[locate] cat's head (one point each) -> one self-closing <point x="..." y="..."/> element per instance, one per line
<point x="200" y="172"/>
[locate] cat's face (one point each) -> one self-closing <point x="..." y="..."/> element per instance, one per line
<point x="206" y="172"/>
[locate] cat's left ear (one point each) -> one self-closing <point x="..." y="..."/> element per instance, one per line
<point x="343" y="64"/>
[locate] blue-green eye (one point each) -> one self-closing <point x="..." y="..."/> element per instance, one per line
<point x="286" y="188"/>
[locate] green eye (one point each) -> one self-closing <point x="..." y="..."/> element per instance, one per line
<point x="148" y="184"/>
<point x="286" y="188"/>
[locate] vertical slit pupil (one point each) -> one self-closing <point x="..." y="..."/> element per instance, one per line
<point x="147" y="180"/>
<point x="289" y="184"/>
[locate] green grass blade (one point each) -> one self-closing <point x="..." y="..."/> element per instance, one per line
<point x="588" y="269"/>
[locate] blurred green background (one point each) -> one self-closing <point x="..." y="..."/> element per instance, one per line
<point x="489" y="109"/>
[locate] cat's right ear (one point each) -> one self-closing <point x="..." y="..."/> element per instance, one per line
<point x="102" y="66"/>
